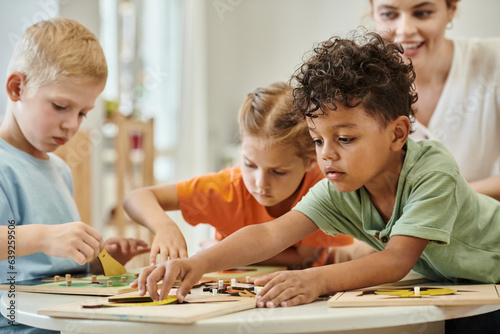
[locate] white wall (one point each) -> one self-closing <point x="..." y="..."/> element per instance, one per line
<point x="15" y="18"/>
<point x="253" y="43"/>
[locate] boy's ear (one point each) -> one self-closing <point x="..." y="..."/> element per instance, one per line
<point x="401" y="131"/>
<point x="15" y="83"/>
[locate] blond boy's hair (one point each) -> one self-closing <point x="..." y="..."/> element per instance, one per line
<point x="55" y="49"/>
<point x="265" y="114"/>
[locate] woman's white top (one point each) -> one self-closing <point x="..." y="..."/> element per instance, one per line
<point x="467" y="117"/>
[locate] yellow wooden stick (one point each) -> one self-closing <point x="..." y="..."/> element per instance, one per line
<point x="110" y="266"/>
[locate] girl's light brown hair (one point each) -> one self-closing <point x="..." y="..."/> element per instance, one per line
<point x="58" y="48"/>
<point x="265" y="114"/>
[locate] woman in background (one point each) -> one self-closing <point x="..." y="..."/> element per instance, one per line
<point x="458" y="84"/>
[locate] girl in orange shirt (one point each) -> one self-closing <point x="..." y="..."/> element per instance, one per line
<point x="278" y="166"/>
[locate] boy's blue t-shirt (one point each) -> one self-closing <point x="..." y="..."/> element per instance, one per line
<point x="34" y="191"/>
<point x="433" y="202"/>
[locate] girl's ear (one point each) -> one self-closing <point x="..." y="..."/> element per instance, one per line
<point x="401" y="131"/>
<point x="310" y="164"/>
<point x="15" y="83"/>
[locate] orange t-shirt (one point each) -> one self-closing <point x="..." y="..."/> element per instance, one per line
<point x="222" y="200"/>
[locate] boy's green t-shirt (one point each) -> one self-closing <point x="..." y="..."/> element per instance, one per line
<point x="433" y="202"/>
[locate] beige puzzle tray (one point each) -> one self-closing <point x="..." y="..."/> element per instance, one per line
<point x="185" y="313"/>
<point x="450" y="295"/>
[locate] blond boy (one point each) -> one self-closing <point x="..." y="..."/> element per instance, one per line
<point x="56" y="73"/>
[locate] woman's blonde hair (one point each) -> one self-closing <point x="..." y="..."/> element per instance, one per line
<point x="265" y="114"/>
<point x="58" y="48"/>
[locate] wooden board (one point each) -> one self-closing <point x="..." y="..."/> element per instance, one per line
<point x="80" y="285"/>
<point x="482" y="294"/>
<point x="184" y="313"/>
<point x="240" y="273"/>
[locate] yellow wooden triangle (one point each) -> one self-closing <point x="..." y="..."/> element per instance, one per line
<point x="110" y="266"/>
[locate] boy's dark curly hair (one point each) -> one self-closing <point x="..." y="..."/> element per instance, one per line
<point x="364" y="71"/>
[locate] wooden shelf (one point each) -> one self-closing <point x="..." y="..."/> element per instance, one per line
<point x="134" y="161"/>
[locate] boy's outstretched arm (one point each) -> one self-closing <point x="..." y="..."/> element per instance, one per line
<point x="250" y="244"/>
<point x="147" y="207"/>
<point x="295" y="257"/>
<point x="304" y="286"/>
<point x="76" y="240"/>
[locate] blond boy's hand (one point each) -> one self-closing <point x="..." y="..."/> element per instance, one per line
<point x="169" y="243"/>
<point x="76" y="240"/>
<point x="287" y="288"/>
<point x="188" y="271"/>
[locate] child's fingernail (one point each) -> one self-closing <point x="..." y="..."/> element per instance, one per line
<point x="270" y="304"/>
<point x="260" y="304"/>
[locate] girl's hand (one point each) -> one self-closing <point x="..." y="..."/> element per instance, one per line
<point x="169" y="243"/>
<point x="124" y="249"/>
<point x="76" y="240"/>
<point x="287" y="288"/>
<point x="188" y="271"/>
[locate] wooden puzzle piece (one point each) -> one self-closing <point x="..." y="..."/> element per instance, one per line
<point x="110" y="266"/>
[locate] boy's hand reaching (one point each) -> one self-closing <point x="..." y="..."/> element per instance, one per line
<point x="124" y="249"/>
<point x="76" y="240"/>
<point x="188" y="271"/>
<point x="287" y="288"/>
<point x="169" y="243"/>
